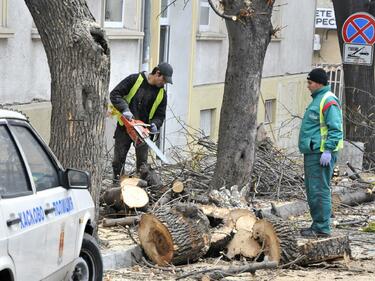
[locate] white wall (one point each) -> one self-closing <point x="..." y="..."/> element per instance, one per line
<point x="292" y="54"/>
<point x="180" y="55"/>
<point x="24" y="73"/>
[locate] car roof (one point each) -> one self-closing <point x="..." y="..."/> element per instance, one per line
<point x="10" y="114"/>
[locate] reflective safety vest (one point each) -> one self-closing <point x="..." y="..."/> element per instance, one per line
<point x="323" y="126"/>
<point x="130" y="96"/>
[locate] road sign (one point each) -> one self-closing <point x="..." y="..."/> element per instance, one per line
<point x="359" y="28"/>
<point x="358" y="54"/>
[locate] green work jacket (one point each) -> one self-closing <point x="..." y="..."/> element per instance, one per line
<point x="310" y="133"/>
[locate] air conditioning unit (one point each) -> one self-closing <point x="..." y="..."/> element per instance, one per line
<point x="317" y="45"/>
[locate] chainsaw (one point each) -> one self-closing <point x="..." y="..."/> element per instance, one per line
<point x="139" y="133"/>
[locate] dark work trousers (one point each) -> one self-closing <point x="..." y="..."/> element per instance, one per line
<point x="122" y="146"/>
<point x="318" y="190"/>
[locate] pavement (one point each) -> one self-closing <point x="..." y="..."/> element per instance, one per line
<point x="116" y="259"/>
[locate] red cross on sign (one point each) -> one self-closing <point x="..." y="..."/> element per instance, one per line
<point x="359" y="28"/>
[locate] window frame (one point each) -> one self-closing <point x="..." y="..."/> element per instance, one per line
<point x="164" y="20"/>
<point x="45" y="148"/>
<point x="269" y="114"/>
<point x="204" y="4"/>
<point x="114" y="24"/>
<point x="30" y="187"/>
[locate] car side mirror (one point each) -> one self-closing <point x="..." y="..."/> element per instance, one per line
<point x="77" y="179"/>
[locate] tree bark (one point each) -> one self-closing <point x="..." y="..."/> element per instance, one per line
<point x="174" y="235"/>
<point x="248" y="37"/>
<point x="359" y="83"/>
<point x="79" y="62"/>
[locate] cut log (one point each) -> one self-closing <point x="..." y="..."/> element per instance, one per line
<point x="112" y="197"/>
<point x="134" y="196"/>
<point x="235" y="214"/>
<point x="214" y="212"/>
<point x="177" y="186"/>
<point x="131" y="220"/>
<point x="220" y="237"/>
<point x="352" y="198"/>
<point x="243" y="244"/>
<point x="246" y="223"/>
<point x="265" y="233"/>
<point x="287" y="235"/>
<point x="132" y="181"/>
<point x="174" y="235"/>
<point x="296" y="208"/>
<point x="325" y="249"/>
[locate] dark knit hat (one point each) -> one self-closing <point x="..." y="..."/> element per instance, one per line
<point x="318" y="75"/>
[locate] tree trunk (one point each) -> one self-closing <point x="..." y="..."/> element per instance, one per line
<point x="249" y="37"/>
<point x="359" y="83"/>
<point x="325" y="249"/>
<point x="174" y="235"/>
<point x="78" y="58"/>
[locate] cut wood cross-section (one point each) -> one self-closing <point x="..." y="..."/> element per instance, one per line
<point x="174" y="235"/>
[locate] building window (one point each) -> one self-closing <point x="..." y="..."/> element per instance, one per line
<point x="207" y="117"/>
<point x="3" y="13"/>
<point x="204" y="15"/>
<point x="269" y="111"/>
<point x="114" y="13"/>
<point x="164" y="16"/>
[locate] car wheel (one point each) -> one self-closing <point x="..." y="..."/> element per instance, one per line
<point x="90" y="253"/>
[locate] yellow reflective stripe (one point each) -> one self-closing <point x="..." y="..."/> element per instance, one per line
<point x="323" y="127"/>
<point x="134" y="89"/>
<point x="114" y="112"/>
<point x="157" y="102"/>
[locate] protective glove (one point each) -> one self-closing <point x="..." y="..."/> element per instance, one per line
<point x="128" y="115"/>
<point x="325" y="159"/>
<point x="153" y="128"/>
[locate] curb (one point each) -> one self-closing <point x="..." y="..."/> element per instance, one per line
<point x="122" y="258"/>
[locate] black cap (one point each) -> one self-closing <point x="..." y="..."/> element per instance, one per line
<point x="166" y="70"/>
<point x="318" y="75"/>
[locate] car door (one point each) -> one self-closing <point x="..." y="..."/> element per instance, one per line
<point x="58" y="204"/>
<point x="22" y="210"/>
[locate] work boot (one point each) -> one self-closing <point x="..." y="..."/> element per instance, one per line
<point x="308" y="232"/>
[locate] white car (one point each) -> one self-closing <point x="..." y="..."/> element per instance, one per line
<point x="46" y="212"/>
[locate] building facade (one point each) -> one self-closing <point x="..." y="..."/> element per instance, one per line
<point x="187" y="34"/>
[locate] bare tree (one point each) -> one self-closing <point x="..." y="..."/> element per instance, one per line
<point x="359" y="83"/>
<point x="249" y="31"/>
<point x="78" y="58"/>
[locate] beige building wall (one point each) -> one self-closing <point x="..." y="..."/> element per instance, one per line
<point x="289" y="95"/>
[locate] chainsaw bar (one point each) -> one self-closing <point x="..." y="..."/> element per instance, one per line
<point x="152" y="145"/>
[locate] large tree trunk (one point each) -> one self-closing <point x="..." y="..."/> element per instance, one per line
<point x="78" y="58"/>
<point x="359" y="84"/>
<point x="249" y="37"/>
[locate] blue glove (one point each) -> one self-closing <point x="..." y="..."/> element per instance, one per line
<point x="153" y="128"/>
<point x="325" y="159"/>
<point x="128" y="115"/>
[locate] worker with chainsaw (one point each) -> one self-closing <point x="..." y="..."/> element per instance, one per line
<point x="142" y="97"/>
<point x="320" y="139"/>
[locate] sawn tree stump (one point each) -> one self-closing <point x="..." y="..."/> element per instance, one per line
<point x="174" y="235"/>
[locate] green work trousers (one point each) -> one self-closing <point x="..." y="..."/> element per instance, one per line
<point x="318" y="191"/>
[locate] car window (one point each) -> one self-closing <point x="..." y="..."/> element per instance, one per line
<point x="13" y="175"/>
<point x="42" y="168"/>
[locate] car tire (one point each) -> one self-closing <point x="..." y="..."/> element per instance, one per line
<point x="91" y="254"/>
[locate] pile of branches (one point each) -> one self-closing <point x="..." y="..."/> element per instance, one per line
<point x="276" y="175"/>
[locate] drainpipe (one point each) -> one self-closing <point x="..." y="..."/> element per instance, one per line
<point x="147" y="35"/>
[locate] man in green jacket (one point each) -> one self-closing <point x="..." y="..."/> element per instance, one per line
<point x="321" y="136"/>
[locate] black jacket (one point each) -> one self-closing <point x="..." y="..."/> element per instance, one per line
<point x="142" y="102"/>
